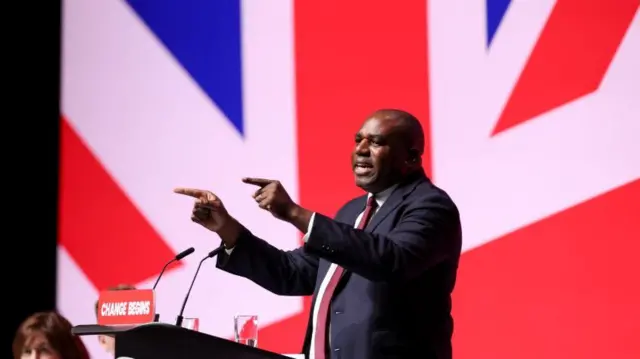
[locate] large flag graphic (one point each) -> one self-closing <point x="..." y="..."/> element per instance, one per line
<point x="533" y="117"/>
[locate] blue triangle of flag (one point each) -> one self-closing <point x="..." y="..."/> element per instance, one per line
<point x="205" y="37"/>
<point x="495" y="13"/>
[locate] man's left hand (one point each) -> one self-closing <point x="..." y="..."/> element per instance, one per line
<point x="272" y="196"/>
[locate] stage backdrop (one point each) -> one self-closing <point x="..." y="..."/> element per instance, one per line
<point x="532" y="110"/>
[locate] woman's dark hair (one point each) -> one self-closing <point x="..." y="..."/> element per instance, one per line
<point x="56" y="329"/>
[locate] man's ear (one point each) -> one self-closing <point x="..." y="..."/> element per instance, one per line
<point x="414" y="156"/>
<point x="102" y="340"/>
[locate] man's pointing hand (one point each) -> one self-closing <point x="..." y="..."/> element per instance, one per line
<point x="272" y="196"/>
<point x="209" y="212"/>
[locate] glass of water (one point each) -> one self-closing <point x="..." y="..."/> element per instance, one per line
<point x="191" y="323"/>
<point x="246" y="329"/>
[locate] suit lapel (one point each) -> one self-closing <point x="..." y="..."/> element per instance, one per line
<point x="394" y="200"/>
<point x="389" y="206"/>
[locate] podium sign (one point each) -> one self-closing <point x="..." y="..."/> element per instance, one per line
<point x="126" y="307"/>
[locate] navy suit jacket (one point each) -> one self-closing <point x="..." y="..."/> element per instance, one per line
<point x="394" y="300"/>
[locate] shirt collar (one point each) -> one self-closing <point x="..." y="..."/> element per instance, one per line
<point x="381" y="197"/>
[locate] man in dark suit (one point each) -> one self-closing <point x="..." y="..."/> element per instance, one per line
<point x="381" y="273"/>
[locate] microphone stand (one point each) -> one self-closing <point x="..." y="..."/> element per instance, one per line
<point x="211" y="254"/>
<point x="156" y="317"/>
<point x="178" y="257"/>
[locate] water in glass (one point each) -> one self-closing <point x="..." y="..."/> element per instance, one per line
<point x="246" y="329"/>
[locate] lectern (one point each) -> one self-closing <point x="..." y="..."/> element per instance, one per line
<point x="166" y="341"/>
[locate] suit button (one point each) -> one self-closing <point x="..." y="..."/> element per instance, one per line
<point x="336" y="349"/>
<point x="338" y="312"/>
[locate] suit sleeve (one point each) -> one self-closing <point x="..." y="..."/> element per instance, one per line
<point x="291" y="273"/>
<point x="427" y="233"/>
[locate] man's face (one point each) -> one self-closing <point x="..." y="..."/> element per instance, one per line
<point x="378" y="159"/>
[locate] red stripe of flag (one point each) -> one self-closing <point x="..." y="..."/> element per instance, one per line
<point x="104" y="233"/>
<point x="564" y="287"/>
<point x="352" y="57"/>
<point x="570" y="59"/>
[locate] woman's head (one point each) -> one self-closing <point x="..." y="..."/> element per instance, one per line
<point x="47" y="335"/>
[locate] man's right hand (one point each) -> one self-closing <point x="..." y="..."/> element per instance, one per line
<point x="209" y="212"/>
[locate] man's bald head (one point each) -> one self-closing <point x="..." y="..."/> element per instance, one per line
<point x="408" y="126"/>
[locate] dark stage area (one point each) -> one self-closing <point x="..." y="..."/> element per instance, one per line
<point x="30" y="171"/>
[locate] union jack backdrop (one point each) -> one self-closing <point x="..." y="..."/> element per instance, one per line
<point x="532" y="110"/>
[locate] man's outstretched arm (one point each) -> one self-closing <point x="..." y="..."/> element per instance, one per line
<point x="426" y="234"/>
<point x="281" y="272"/>
<point x="291" y="273"/>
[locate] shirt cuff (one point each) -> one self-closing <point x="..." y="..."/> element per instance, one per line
<point x="306" y="235"/>
<point x="228" y="250"/>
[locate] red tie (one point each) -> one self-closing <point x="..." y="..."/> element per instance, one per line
<point x="323" y="306"/>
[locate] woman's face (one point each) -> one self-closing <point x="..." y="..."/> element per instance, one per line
<point x="39" y="348"/>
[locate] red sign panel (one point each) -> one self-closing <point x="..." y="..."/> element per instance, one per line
<point x="126" y="307"/>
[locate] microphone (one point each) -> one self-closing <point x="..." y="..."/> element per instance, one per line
<point x="178" y="257"/>
<point x="211" y="254"/>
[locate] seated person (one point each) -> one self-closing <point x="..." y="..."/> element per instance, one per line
<point x="108" y="342"/>
<point x="47" y="335"/>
